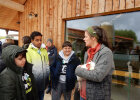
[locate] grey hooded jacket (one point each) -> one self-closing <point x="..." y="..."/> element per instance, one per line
<point x="98" y="81"/>
<point x="11" y="84"/>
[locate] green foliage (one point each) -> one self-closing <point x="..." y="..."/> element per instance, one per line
<point x="126" y="33"/>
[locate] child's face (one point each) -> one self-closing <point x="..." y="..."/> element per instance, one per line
<point x="67" y="51"/>
<point x="37" y="41"/>
<point x="20" y="61"/>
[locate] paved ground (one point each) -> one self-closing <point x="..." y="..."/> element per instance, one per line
<point x="47" y="97"/>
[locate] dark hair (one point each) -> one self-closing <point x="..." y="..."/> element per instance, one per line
<point x="67" y="43"/>
<point x="26" y="40"/>
<point x="101" y="34"/>
<point x="23" y="54"/>
<point x="34" y="34"/>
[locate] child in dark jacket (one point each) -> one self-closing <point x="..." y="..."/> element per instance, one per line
<point x="17" y="81"/>
<point x="63" y="72"/>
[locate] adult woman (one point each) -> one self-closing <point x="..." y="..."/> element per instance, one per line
<point x="16" y="80"/>
<point x="99" y="65"/>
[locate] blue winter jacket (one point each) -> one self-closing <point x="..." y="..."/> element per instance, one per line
<point x="70" y="72"/>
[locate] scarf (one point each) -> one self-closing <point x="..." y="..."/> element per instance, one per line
<point x="91" y="52"/>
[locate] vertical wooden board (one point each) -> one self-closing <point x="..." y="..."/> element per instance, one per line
<point x="45" y="20"/>
<point x="88" y="7"/>
<point x="42" y="17"/>
<point x="33" y="21"/>
<point x="21" y="30"/>
<point x="48" y="18"/>
<point x="129" y="4"/>
<point x="116" y="5"/>
<point x="69" y="8"/>
<point x="32" y="9"/>
<point x="29" y="20"/>
<point x="73" y="8"/>
<point x="25" y="15"/>
<point x="23" y="22"/>
<point x="39" y="15"/>
<point x="83" y="7"/>
<point x="64" y="9"/>
<point x="27" y="26"/>
<point x="78" y="8"/>
<point x="101" y="8"/>
<point x="108" y="5"/>
<point x="59" y="36"/>
<point x="36" y="11"/>
<point x="55" y="22"/>
<point x="137" y="3"/>
<point x="95" y="6"/>
<point x="26" y="18"/>
<point x="122" y="4"/>
<point x="63" y="32"/>
<point x="51" y="18"/>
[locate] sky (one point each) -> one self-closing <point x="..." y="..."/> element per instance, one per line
<point x="129" y="21"/>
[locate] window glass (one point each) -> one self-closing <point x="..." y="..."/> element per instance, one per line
<point x="2" y="35"/>
<point x="13" y="34"/>
<point x="123" y="31"/>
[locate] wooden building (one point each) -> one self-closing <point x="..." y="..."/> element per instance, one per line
<point x="52" y="14"/>
<point x="49" y="17"/>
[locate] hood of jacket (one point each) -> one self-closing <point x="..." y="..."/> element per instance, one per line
<point x="8" y="56"/>
<point x="2" y="65"/>
<point x="61" y="54"/>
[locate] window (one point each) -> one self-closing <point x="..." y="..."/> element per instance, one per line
<point x="2" y="35"/>
<point x="10" y="34"/>
<point x="123" y="32"/>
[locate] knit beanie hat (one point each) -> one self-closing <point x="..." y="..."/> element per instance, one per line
<point x="50" y="40"/>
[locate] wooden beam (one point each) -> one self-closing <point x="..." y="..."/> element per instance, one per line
<point x="12" y="5"/>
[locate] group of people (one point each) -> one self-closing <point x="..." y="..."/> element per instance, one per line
<point x="25" y="72"/>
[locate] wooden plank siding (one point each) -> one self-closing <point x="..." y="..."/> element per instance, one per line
<point x="122" y="5"/>
<point x="116" y="4"/>
<point x="108" y="5"/>
<point x="137" y="3"/>
<point x="51" y="18"/>
<point x="78" y="8"/>
<point x="69" y="9"/>
<point x="52" y="15"/>
<point x="129" y="4"/>
<point x="55" y="22"/>
<point x="95" y="6"/>
<point x="73" y="8"/>
<point x="88" y="7"/>
<point x="60" y="25"/>
<point x="83" y="7"/>
<point x="64" y="9"/>
<point x="101" y="5"/>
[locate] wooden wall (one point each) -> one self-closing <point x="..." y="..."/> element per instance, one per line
<point x="8" y="18"/>
<point x="53" y="13"/>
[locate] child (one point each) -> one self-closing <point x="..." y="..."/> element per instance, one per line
<point x="63" y="72"/>
<point x="16" y="80"/>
